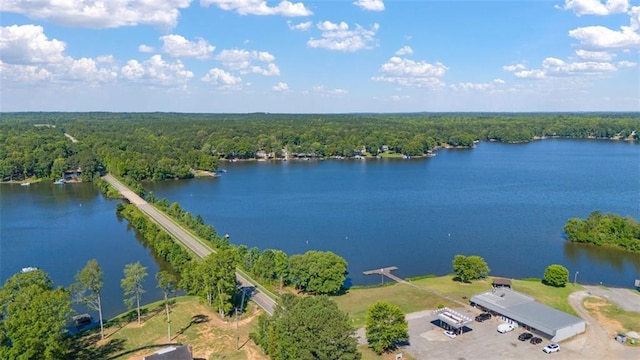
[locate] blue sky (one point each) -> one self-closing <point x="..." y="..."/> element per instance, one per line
<point x="329" y="56"/>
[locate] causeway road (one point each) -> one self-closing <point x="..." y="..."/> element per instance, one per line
<point x="251" y="288"/>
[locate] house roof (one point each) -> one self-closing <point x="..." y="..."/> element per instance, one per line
<point x="501" y="281"/>
<point x="526" y="310"/>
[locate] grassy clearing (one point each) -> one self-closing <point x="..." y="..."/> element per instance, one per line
<point x="409" y="299"/>
<point x="368" y="354"/>
<point x="627" y="320"/>
<point x="192" y="323"/>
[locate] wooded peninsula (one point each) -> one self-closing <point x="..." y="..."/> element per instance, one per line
<point x="158" y="146"/>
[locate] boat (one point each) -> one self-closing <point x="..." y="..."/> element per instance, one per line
<point x="59" y="182"/>
<point x="25" y="184"/>
<point x="29" y="269"/>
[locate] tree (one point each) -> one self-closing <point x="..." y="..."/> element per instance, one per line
<point x="213" y="278"/>
<point x="282" y="266"/>
<point x="556" y="275"/>
<point x="134" y="275"/>
<point x="311" y="327"/>
<point x="318" y="272"/>
<point x="86" y="290"/>
<point x="386" y="327"/>
<point x="469" y="268"/>
<point x="167" y="283"/>
<point x="33" y="317"/>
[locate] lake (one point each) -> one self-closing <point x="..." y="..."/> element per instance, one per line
<point x="506" y="203"/>
<point x="58" y="228"/>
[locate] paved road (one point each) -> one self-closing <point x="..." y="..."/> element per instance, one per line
<point x="251" y="288"/>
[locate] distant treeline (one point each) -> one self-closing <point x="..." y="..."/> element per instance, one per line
<point x="607" y="230"/>
<point x="157" y="146"/>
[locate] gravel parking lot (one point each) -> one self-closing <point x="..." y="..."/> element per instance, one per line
<point x="427" y="341"/>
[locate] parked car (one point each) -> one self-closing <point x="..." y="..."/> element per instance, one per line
<point x="525" y="336"/>
<point x="482" y="317"/>
<point x="450" y="334"/>
<point x="551" y="348"/>
<point x="504" y="328"/>
<point x="535" y="340"/>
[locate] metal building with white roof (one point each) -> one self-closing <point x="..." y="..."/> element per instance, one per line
<point x="525" y="310"/>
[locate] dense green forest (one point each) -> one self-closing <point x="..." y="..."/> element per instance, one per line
<point x="605" y="230"/>
<point x="156" y="146"/>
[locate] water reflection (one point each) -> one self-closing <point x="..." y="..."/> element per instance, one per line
<point x="586" y="254"/>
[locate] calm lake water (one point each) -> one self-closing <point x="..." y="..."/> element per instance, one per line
<point x="58" y="228"/>
<point x="507" y="203"/>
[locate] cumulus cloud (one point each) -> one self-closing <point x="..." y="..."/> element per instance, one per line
<point x="600" y="37"/>
<point x="338" y="37"/>
<point x="595" y="55"/>
<point x="145" y="49"/>
<point x="27" y="44"/>
<point x="596" y="7"/>
<point x="487" y="86"/>
<point x="407" y="72"/>
<point x="553" y="67"/>
<point x="100" y="14"/>
<point x="178" y="46"/>
<point x="28" y="55"/>
<point x="405" y="50"/>
<point x="260" y="7"/>
<point x="222" y="79"/>
<point x="245" y="61"/>
<point x="513" y="67"/>
<point x="370" y="5"/>
<point x="626" y="64"/>
<point x="304" y="26"/>
<point x="280" y="87"/>
<point x="156" y="71"/>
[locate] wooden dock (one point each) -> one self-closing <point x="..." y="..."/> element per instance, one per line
<point x="386" y="271"/>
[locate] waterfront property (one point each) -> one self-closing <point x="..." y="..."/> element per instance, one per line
<point x="524" y="310"/>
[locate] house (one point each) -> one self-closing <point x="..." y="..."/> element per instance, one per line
<point x="501" y="282"/>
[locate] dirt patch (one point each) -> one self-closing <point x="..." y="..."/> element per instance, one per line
<point x="595" y="306"/>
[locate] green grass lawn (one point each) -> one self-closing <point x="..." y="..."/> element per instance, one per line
<point x="409" y="299"/>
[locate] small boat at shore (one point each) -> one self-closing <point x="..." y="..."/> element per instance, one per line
<point x="59" y="182"/>
<point x="25" y="184"/>
<point x="29" y="269"/>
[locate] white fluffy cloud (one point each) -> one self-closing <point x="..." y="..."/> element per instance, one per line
<point x="595" y="55"/>
<point x="260" y="7"/>
<point x="514" y="67"/>
<point x="338" y="37"/>
<point x="100" y="14"/>
<point x="28" y="55"/>
<point x="596" y="7"/>
<point x="27" y="44"/>
<point x="553" y="67"/>
<point x="304" y="26"/>
<point x="222" y="79"/>
<point x="488" y="86"/>
<point x="600" y="37"/>
<point x="407" y="72"/>
<point x="370" y="5"/>
<point x="145" y="48"/>
<point x="405" y="50"/>
<point x="156" y="71"/>
<point x="626" y="64"/>
<point x="280" y="87"/>
<point x="178" y="46"/>
<point x="244" y="61"/>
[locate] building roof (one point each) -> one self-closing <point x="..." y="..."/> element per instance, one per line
<point x="501" y="281"/>
<point x="526" y="310"/>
